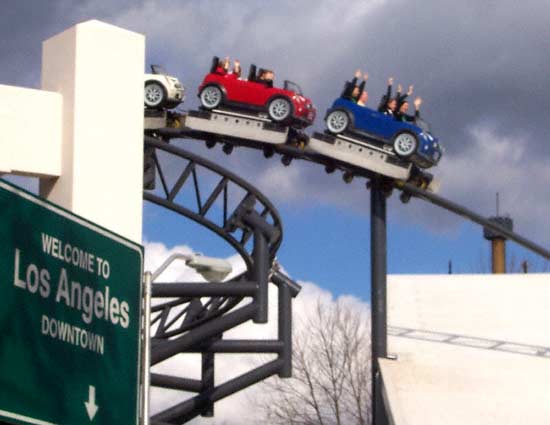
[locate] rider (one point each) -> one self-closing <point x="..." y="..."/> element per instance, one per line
<point x="266" y="77"/>
<point x="402" y="115"/>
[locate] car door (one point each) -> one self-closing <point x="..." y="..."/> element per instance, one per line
<point x="246" y="92"/>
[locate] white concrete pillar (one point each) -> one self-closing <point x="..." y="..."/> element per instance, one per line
<point x="98" y="69"/>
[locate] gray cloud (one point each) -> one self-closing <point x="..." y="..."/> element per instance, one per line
<point x="478" y="65"/>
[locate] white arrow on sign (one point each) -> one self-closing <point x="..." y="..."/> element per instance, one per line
<point x="91" y="407"/>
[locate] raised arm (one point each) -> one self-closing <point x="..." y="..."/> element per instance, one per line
<point x="382" y="106"/>
<point x="362" y="85"/>
<point x="417" y="103"/>
<point x="388" y="91"/>
<point x="237" y="68"/>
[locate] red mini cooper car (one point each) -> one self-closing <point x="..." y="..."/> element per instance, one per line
<point x="287" y="105"/>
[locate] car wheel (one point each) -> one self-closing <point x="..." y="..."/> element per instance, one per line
<point x="279" y="109"/>
<point x="211" y="97"/>
<point x="404" y="144"/>
<point x="155" y="94"/>
<point x="286" y="160"/>
<point x="337" y="121"/>
<point x="347" y="177"/>
<point x="405" y="197"/>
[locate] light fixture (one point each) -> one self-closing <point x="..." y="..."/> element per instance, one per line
<point x="212" y="269"/>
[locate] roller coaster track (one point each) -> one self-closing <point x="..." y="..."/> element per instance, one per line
<point x="476" y="218"/>
<point x="186" y="324"/>
<point x="229" y="224"/>
<point x="296" y="148"/>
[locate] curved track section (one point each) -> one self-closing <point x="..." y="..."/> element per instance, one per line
<point x="233" y="205"/>
<point x="192" y="317"/>
<point x="241" y="208"/>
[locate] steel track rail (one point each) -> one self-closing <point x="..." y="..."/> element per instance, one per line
<point x="290" y="150"/>
<point x="231" y="222"/>
<point x="476" y="218"/>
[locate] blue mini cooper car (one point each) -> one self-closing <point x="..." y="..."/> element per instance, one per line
<point x="412" y="142"/>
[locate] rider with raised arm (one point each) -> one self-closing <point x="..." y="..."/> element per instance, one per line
<point x="402" y="115"/>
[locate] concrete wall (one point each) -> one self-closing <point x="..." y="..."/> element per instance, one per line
<point x="30" y="140"/>
<point x="500" y="376"/>
<point x="506" y="306"/>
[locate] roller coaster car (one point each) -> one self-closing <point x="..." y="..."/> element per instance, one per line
<point x="284" y="105"/>
<point x="162" y="91"/>
<point x="409" y="142"/>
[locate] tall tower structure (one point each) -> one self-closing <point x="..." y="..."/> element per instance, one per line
<point x="498" y="241"/>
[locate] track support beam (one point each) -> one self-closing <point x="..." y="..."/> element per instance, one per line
<point x="378" y="296"/>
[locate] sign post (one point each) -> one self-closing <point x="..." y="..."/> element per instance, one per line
<point x="70" y="312"/>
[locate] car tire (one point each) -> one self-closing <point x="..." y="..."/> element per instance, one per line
<point x="405" y="144"/>
<point x="279" y="109"/>
<point x="211" y="97"/>
<point x="337" y="121"/>
<point x="154" y="95"/>
<point x="286" y="160"/>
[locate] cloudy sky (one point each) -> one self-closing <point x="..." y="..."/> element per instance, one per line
<point x="480" y="66"/>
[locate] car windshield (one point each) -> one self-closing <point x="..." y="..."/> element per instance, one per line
<point x="290" y="86"/>
<point x="158" y="69"/>
<point x="423" y="125"/>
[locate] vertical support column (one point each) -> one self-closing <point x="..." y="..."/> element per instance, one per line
<point x="99" y="70"/>
<point x="261" y="274"/>
<point x="378" y="296"/>
<point x="285" y="329"/>
<point x="207" y="377"/>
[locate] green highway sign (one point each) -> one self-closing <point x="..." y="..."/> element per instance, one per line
<point x="70" y="317"/>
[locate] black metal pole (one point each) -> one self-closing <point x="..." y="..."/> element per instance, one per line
<point x="189" y="409"/>
<point x="261" y="274"/>
<point x="172" y="290"/>
<point x="176" y="383"/>
<point x="207" y="374"/>
<point x="167" y="349"/>
<point x="378" y="296"/>
<point x="285" y="330"/>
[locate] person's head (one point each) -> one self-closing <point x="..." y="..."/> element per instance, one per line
<point x="392" y="104"/>
<point x="404" y="107"/>
<point x="266" y="75"/>
<point x="355" y="92"/>
<point x="364" y="97"/>
<point x="224" y="64"/>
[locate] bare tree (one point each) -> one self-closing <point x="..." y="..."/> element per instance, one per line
<point x="331" y="381"/>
